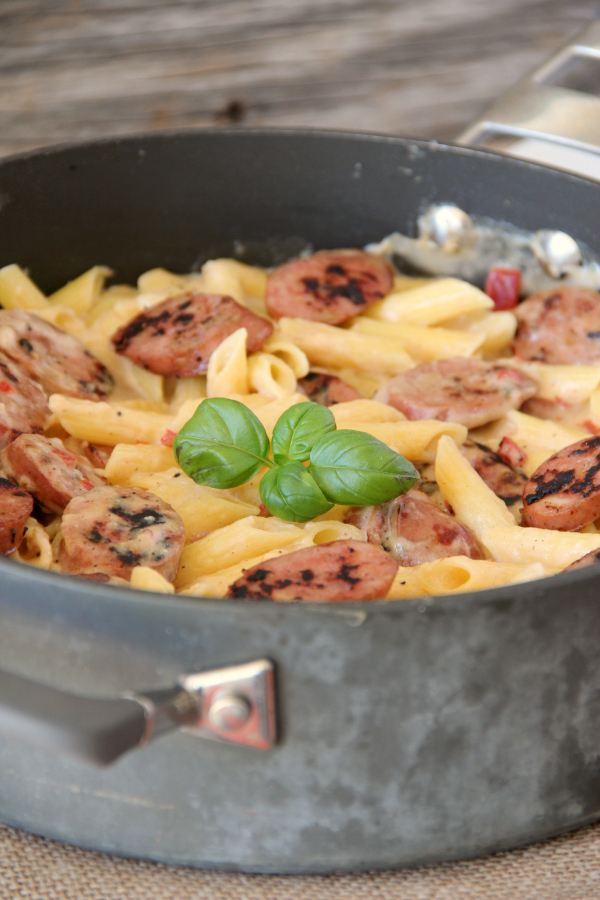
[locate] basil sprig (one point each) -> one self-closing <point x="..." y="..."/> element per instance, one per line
<point x="224" y="445"/>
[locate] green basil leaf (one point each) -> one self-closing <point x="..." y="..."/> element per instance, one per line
<point x="297" y="430"/>
<point x="223" y="445"/>
<point x="356" y="469"/>
<point x="290" y="493"/>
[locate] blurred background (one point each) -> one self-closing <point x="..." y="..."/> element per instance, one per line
<point x="76" y="69"/>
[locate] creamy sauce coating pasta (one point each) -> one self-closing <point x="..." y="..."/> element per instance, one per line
<point x="411" y="323"/>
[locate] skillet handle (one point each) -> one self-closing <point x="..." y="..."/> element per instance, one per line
<point x="553" y="115"/>
<point x="235" y="703"/>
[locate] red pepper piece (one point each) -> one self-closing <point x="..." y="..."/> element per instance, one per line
<point x="511" y="453"/>
<point x="504" y="287"/>
<point x="167" y="438"/>
<point x="5" y="387"/>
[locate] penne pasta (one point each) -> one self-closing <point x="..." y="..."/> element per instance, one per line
<point x="459" y="574"/>
<point x="82" y="293"/>
<point x="17" y="290"/>
<point x="224" y="532"/>
<point x="102" y="423"/>
<point x="146" y="579"/>
<point x="202" y="509"/>
<point x="288" y="353"/>
<point x="497" y="329"/>
<point x="236" y="543"/>
<point x="326" y="345"/>
<point x="432" y="303"/>
<point x="271" y="376"/>
<point x="36" y="548"/>
<point x="228" y="367"/>
<point x="422" y="343"/>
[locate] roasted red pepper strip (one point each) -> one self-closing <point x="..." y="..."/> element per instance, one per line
<point x="504" y="287"/>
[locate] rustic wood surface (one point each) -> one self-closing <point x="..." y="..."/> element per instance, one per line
<point x="73" y="69"/>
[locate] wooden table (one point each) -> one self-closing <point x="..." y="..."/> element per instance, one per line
<point x="76" y="69"/>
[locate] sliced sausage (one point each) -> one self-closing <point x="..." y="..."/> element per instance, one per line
<point x="330" y="286"/>
<point x="564" y="492"/>
<point x="326" y="573"/>
<point x="110" y="530"/>
<point x="559" y="326"/>
<point x="468" y="391"/>
<point x="16" y="505"/>
<point x="327" y="390"/>
<point x="590" y="559"/>
<point x="47" y="470"/>
<point x="414" y="530"/>
<point x="23" y="404"/>
<point x="178" y="336"/>
<point x="503" y="480"/>
<point x="56" y="360"/>
<point x="96" y="454"/>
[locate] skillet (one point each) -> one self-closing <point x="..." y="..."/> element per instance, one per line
<point x="408" y="732"/>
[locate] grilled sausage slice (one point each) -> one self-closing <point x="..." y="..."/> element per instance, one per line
<point x="330" y="286"/>
<point x="468" y="391"/>
<point x="414" y="530"/>
<point x="326" y="573"/>
<point x="503" y="480"/>
<point x="16" y="505"/>
<point x="327" y="390"/>
<point x="564" y="492"/>
<point x="559" y="326"/>
<point x="178" y="336"/>
<point x="52" y="474"/>
<point x="590" y="559"/>
<point x="23" y="405"/>
<point x="56" y="360"/>
<point x="96" y="454"/>
<point x="112" y="529"/>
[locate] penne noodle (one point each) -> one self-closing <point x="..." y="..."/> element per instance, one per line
<point x="326" y="345"/>
<point x="496" y="328"/>
<point x="562" y="384"/>
<point x="473" y="502"/>
<point x="246" y="284"/>
<point x="554" y="549"/>
<point x="417" y="441"/>
<point x="236" y="543"/>
<point x="271" y="376"/>
<point x="459" y="574"/>
<point x="36" y="548"/>
<point x="289" y="353"/>
<point x="127" y="460"/>
<point x="82" y="293"/>
<point x="102" y="423"/>
<point x="146" y="579"/>
<point x="441" y="299"/>
<point x="424" y="344"/>
<point x="228" y="367"/>
<point x="203" y="509"/>
<point x="352" y="411"/>
<point x="17" y="290"/>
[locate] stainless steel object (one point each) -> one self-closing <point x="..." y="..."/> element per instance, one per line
<point x="553" y="115"/>
<point x="556" y="251"/>
<point x="235" y="704"/>
<point x="445" y="225"/>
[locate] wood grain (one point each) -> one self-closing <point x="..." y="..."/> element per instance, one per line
<point x="73" y="69"/>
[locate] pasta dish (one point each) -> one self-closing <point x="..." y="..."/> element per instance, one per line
<point x="495" y="405"/>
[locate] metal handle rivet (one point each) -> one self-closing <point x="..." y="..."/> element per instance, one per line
<point x="229" y="711"/>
